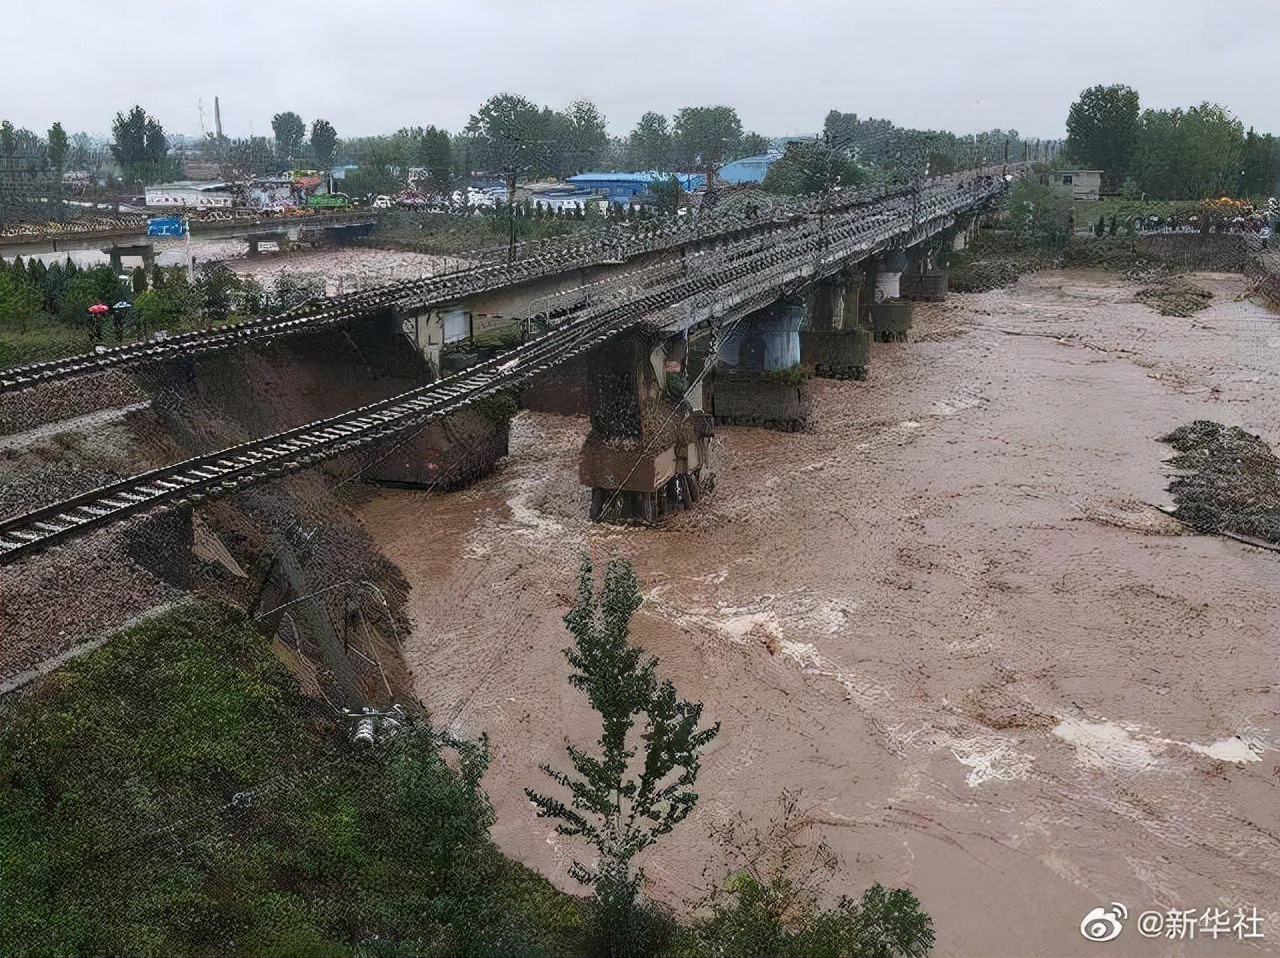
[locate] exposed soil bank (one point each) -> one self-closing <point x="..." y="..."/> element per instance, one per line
<point x="945" y="613"/>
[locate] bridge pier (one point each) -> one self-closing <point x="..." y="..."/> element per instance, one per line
<point x="144" y="251"/>
<point x="890" y="313"/>
<point x="834" y="343"/>
<point x="759" y="380"/>
<point x="925" y="280"/>
<point x="646" y="454"/>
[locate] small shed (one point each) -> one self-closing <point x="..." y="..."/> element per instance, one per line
<point x="1083" y="184"/>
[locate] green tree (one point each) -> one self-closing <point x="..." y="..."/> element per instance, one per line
<point x="640" y="784"/>
<point x="771" y="902"/>
<point x="584" y="139"/>
<point x="58" y="149"/>
<point x="810" y="166"/>
<point x="706" y="135"/>
<point x="650" y="145"/>
<point x="1191" y="154"/>
<point x="1040" y="213"/>
<point x="295" y="288"/>
<point x="172" y="304"/>
<point x="218" y="290"/>
<point x="1260" y="165"/>
<point x="1102" y="130"/>
<point x="323" y="139"/>
<point x="289" y="129"/>
<point x="140" y="147"/>
<point x="753" y="144"/>
<point x="20" y="300"/>
<point x="511" y="134"/>
<point x="432" y="150"/>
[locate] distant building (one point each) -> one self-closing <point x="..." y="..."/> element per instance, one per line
<point x="633" y="188"/>
<point x="190" y="195"/>
<point x="561" y="199"/>
<point x="749" y="169"/>
<point x="1083" y="184"/>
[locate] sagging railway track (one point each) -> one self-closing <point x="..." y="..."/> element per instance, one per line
<point x="758" y="271"/>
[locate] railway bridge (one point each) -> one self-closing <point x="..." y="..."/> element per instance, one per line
<point x="669" y="331"/>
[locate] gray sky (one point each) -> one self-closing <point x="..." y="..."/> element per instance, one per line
<point x="372" y="66"/>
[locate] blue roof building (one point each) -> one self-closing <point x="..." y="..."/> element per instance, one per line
<point x="749" y="169"/>
<point x="634" y="187"/>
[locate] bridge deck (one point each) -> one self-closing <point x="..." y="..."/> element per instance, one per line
<point x="753" y="277"/>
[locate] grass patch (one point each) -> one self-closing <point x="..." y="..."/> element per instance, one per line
<point x="173" y="794"/>
<point x="45" y="338"/>
<point x="48" y="338"/>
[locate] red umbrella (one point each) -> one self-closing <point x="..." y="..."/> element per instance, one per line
<point x="99" y="308"/>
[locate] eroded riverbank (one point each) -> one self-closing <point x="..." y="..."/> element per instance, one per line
<point x="946" y="614"/>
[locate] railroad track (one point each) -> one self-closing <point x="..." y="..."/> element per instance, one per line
<point x="757" y="270"/>
<point x="422" y="294"/>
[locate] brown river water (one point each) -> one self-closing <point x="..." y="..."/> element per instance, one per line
<point x="948" y="615"/>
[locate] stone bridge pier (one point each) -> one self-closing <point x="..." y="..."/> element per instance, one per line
<point x="646" y="454"/>
<point x="925" y="279"/>
<point x="890" y="312"/>
<point x="759" y="380"/>
<point x="833" y="341"/>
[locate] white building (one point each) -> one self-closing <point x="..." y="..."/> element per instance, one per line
<point x="1083" y="184"/>
<point x="189" y="195"/>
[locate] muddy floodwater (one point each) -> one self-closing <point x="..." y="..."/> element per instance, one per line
<point x="949" y="614"/>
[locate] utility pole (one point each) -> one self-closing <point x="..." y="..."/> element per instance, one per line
<point x="511" y="213"/>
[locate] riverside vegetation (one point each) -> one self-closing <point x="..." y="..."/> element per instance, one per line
<point x="173" y="793"/>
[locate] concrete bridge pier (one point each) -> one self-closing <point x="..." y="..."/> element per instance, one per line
<point x="759" y="380"/>
<point x="925" y="280"/>
<point x="144" y="251"/>
<point x="833" y="342"/>
<point x="646" y="454"/>
<point x="890" y="313"/>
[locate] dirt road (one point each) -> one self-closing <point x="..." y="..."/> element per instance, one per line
<point x="946" y="613"/>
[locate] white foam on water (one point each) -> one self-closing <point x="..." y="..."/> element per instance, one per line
<point x="862" y="693"/>
<point x="990" y="760"/>
<point x="1233" y="749"/>
<point x="1105" y="745"/>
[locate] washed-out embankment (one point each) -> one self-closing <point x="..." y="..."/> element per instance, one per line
<point x="263" y="549"/>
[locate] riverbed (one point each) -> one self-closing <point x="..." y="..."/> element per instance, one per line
<point x="949" y="615"/>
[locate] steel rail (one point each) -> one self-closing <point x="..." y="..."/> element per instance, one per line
<point x="765" y="271"/>
<point x="575" y="253"/>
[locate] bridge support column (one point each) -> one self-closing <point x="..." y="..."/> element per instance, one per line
<point x="834" y="344"/>
<point x="646" y="454"/>
<point x="759" y="379"/>
<point x="144" y="251"/>
<point x="890" y="313"/>
<point x="924" y="281"/>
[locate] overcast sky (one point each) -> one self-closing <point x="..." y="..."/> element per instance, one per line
<point x="372" y="66"/>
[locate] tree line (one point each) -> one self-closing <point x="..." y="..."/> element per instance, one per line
<point x="508" y="135"/>
<point x="59" y="294"/>
<point x="1179" y="154"/>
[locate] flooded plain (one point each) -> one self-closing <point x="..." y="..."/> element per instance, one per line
<point x="950" y="614"/>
